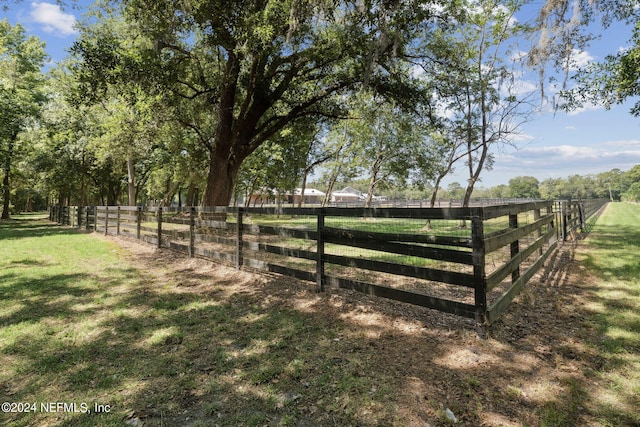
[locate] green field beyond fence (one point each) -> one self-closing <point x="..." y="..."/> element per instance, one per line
<point x="470" y="262"/>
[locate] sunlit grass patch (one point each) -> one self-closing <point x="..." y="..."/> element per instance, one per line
<point x="80" y="324"/>
<point x="612" y="254"/>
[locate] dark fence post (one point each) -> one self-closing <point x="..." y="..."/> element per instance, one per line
<point x="477" y="239"/>
<point x="552" y="225"/>
<point x="582" y="216"/>
<point x="556" y="219"/>
<point x="159" y="217"/>
<point x="80" y="216"/>
<point x="138" y="221"/>
<point x="87" y="224"/>
<point x="106" y="219"/>
<point x="536" y="217"/>
<point x="192" y="231"/>
<point x="515" y="247"/>
<point x="118" y="221"/>
<point x="239" y="260"/>
<point x="320" y="252"/>
<point x="564" y="220"/>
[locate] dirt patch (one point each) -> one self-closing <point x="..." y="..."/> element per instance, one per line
<point x="534" y="368"/>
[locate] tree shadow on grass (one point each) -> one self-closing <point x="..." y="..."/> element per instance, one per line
<point x="32" y="227"/>
<point x="164" y="356"/>
<point x="41" y="297"/>
<point x="620" y="248"/>
<point x="179" y="358"/>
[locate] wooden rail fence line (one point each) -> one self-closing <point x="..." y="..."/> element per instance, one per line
<point x="473" y="271"/>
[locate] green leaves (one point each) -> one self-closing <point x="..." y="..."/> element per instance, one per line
<point x="21" y="93"/>
<point x="21" y="80"/>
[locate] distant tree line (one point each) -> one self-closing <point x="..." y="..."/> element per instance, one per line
<point x="615" y="184"/>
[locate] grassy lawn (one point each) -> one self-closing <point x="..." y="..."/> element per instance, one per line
<point x="156" y="339"/>
<point x="65" y="312"/>
<point x="612" y="255"/>
<point x="80" y="326"/>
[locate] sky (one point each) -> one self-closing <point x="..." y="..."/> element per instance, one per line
<point x="554" y="144"/>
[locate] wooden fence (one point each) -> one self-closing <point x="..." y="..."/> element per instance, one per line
<point x="471" y="262"/>
<point x="577" y="216"/>
<point x="82" y="217"/>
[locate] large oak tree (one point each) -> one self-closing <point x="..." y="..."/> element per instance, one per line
<point x="237" y="73"/>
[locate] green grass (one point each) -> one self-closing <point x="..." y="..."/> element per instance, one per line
<point x="79" y="324"/>
<point x="612" y="254"/>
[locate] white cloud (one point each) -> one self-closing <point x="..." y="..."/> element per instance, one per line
<point x="521" y="137"/>
<point x="580" y="58"/>
<point x="519" y="56"/>
<point x="635" y="143"/>
<point x="566" y="159"/>
<point x="53" y="19"/>
<point x="523" y="87"/>
<point x="585" y="108"/>
<point x="558" y="161"/>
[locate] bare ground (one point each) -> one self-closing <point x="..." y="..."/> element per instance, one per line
<point x="536" y="367"/>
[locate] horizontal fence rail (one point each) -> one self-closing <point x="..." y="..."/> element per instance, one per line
<point x="471" y="262"/>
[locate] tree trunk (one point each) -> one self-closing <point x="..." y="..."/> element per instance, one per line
<point x="223" y="171"/>
<point x="436" y="188"/>
<point x="332" y="182"/>
<point x="304" y="187"/>
<point x="112" y="196"/>
<point x="131" y="181"/>
<point x="170" y="192"/>
<point x="6" y="190"/>
<point x="225" y="157"/>
<point x="434" y="197"/>
<point x="373" y="180"/>
<point x="192" y="195"/>
<point x="474" y="175"/>
<point x="83" y="179"/>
